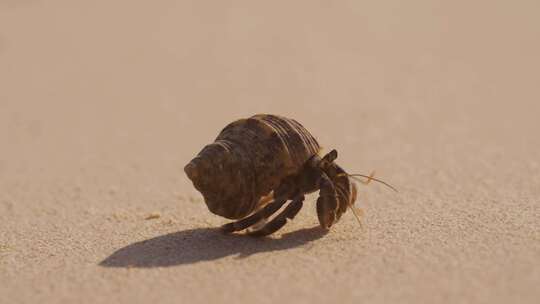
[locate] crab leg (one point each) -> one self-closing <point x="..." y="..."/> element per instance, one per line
<point x="242" y="224"/>
<point x="281" y="219"/>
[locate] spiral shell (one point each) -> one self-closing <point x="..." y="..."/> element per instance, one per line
<point x="249" y="159"/>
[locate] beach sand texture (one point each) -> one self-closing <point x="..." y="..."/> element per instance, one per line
<point x="102" y="103"/>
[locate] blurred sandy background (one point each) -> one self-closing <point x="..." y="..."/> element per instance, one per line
<point x="103" y="102"/>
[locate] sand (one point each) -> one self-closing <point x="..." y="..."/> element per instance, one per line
<point x="102" y="103"/>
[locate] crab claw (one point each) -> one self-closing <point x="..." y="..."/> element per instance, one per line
<point x="327" y="203"/>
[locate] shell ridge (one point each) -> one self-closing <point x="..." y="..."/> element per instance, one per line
<point x="303" y="136"/>
<point x="274" y="123"/>
<point x="246" y="204"/>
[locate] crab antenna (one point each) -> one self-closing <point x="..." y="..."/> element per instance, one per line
<point x="372" y="178"/>
<point x="356" y="215"/>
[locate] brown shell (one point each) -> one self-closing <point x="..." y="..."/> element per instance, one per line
<point x="249" y="159"/>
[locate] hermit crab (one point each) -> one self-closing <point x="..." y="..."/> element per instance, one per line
<point x="256" y="165"/>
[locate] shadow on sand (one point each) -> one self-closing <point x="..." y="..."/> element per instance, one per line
<point x="203" y="244"/>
